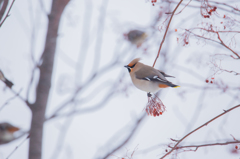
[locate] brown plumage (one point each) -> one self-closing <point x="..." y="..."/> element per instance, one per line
<point x="147" y="78"/>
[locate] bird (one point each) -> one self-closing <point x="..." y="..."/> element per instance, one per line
<point x="136" y="37"/>
<point x="147" y="78"/>
<point x="5" y="80"/>
<point x="6" y="133"/>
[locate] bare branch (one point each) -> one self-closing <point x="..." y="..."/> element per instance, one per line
<point x="219" y="38"/>
<point x="3" y="9"/>
<point x="44" y="85"/>
<point x="182" y="9"/>
<point x="7" y="15"/>
<point x="205" y="124"/>
<point x="166" y="31"/>
<point x="207" y="145"/>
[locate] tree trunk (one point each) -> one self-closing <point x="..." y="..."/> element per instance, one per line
<point x="44" y="85"/>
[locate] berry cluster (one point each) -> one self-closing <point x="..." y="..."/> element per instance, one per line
<point x="209" y="13"/>
<point x="210" y="81"/>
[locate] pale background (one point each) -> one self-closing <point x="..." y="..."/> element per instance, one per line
<point x="95" y="133"/>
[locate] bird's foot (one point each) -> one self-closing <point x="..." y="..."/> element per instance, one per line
<point x="149" y="94"/>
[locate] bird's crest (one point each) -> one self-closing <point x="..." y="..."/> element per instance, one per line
<point x="134" y="62"/>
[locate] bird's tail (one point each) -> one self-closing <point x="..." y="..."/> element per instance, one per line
<point x="174" y="86"/>
<point x="8" y="83"/>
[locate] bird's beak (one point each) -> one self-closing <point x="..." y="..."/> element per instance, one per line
<point x="126" y="66"/>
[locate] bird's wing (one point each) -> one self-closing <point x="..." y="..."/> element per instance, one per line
<point x="150" y="74"/>
<point x="164" y="74"/>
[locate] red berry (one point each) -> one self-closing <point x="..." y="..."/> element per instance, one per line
<point x="211" y="82"/>
<point x="212" y="78"/>
<point x="206" y="16"/>
<point x="207" y="81"/>
<point x="236" y="147"/>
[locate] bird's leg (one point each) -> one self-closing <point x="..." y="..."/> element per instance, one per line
<point x="149" y="94"/>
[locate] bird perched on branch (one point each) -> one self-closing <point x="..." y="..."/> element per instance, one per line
<point x="136" y="37"/>
<point x="147" y="78"/>
<point x="6" y="133"/>
<point x="5" y="80"/>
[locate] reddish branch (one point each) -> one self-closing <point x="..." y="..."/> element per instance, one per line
<point x="166" y="31"/>
<point x="7" y="15"/>
<point x="219" y="38"/>
<point x="175" y="147"/>
<point x="206" y="145"/>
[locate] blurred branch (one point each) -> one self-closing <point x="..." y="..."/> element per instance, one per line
<point x="166" y="32"/>
<point x="18" y="146"/>
<point x="205" y="124"/>
<point x="42" y="7"/>
<point x="7" y="15"/>
<point x="99" y="36"/>
<point x="189" y="71"/>
<point x="84" y="85"/>
<point x="43" y="88"/>
<point x="128" y="138"/>
<point x="84" y="46"/>
<point x="17" y="94"/>
<point x="30" y="82"/>
<point x="61" y="138"/>
<point x="10" y="99"/>
<point x="3" y="8"/>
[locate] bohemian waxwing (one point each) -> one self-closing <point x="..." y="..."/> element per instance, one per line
<point x="6" y="133"/>
<point x="147" y="78"/>
<point x="137" y="37"/>
<point x="5" y="80"/>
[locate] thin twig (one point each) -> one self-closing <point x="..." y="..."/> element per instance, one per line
<point x="181" y="10"/>
<point x="219" y="38"/>
<point x="10" y="99"/>
<point x="206" y="145"/>
<point x="166" y="31"/>
<point x="205" y="124"/>
<point x="17" y="147"/>
<point x="7" y="15"/>
<point x="20" y="97"/>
